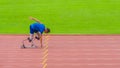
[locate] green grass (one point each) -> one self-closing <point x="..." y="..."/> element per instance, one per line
<point x="62" y="16"/>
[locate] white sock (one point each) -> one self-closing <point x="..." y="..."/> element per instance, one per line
<point x="31" y="36"/>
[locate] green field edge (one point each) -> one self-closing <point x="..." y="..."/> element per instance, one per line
<point x="63" y="34"/>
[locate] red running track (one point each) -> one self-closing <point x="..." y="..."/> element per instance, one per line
<point x="63" y="52"/>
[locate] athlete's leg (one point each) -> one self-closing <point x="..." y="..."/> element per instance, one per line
<point x="31" y="34"/>
<point x="37" y="35"/>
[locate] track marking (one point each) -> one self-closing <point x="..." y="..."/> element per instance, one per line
<point x="44" y="61"/>
<point x="44" y="66"/>
<point x="45" y="56"/>
<point x="45" y="52"/>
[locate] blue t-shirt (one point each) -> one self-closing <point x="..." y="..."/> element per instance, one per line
<point x="37" y="27"/>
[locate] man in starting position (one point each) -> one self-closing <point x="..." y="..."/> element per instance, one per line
<point x="37" y="28"/>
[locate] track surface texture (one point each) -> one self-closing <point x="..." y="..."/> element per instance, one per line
<point x="63" y="52"/>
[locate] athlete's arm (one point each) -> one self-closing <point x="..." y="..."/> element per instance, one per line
<point x="35" y="19"/>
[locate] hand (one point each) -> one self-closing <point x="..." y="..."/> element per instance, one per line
<point x="31" y="18"/>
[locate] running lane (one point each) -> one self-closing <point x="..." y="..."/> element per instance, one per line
<point x="63" y="52"/>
